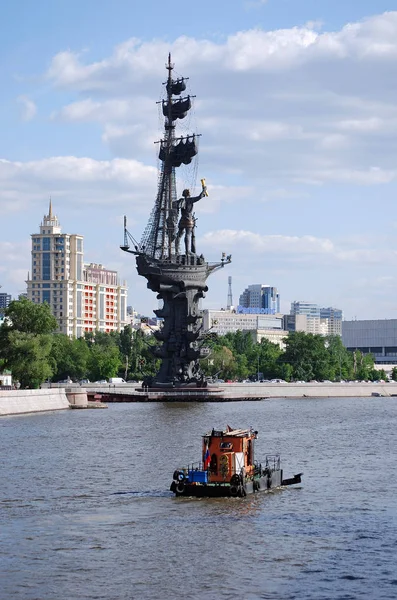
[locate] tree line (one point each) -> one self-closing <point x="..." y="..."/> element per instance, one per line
<point x="306" y="357"/>
<point x="31" y="349"/>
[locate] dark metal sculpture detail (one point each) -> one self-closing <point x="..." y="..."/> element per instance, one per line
<point x="178" y="278"/>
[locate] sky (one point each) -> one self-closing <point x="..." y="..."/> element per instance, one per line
<point x="296" y="101"/>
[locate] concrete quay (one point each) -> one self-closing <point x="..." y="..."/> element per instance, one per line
<point x="230" y="392"/>
<point x="19" y="402"/>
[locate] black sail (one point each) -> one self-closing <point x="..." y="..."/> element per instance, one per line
<point x="176" y="86"/>
<point x="178" y="108"/>
<point x="181" y="152"/>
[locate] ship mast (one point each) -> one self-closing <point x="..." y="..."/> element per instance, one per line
<point x="179" y="278"/>
<point x="169" y="136"/>
<point x="158" y="239"/>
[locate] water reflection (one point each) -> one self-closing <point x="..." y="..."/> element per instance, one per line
<point x="86" y="512"/>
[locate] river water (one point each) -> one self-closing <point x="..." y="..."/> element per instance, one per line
<point x="85" y="511"/>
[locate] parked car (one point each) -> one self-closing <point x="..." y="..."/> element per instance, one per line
<point x="101" y="381"/>
<point x="84" y="381"/>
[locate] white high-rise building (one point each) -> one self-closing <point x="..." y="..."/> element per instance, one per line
<point x="322" y="321"/>
<point x="81" y="297"/>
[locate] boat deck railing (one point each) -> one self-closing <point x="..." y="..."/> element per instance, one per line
<point x="273" y="461"/>
<point x="196" y="471"/>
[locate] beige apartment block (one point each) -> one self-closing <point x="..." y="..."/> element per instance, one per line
<point x="82" y="297"/>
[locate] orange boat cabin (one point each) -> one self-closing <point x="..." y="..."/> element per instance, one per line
<point x="228" y="452"/>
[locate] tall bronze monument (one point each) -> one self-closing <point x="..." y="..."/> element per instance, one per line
<point x="167" y="254"/>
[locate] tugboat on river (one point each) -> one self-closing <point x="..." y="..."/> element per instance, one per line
<point x="229" y="469"/>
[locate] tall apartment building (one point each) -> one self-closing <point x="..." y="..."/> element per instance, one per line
<point x="81" y="297"/>
<point x="261" y="296"/>
<point x="322" y="321"/>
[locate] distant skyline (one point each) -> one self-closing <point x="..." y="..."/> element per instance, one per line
<point x="296" y="101"/>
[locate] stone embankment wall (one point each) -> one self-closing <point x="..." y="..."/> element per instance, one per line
<point x="17" y="402"/>
<point x="309" y="390"/>
<point x="257" y="391"/>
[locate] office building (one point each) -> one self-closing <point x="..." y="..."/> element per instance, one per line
<point x="261" y="296"/>
<point x="377" y="337"/>
<point x="82" y="297"/>
<point x="260" y="325"/>
<point x="320" y="321"/>
<point x="332" y="319"/>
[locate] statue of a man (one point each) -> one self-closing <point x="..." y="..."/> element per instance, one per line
<point x="187" y="221"/>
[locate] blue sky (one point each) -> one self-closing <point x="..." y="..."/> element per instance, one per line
<point x="296" y="101"/>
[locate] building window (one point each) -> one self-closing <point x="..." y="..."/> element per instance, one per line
<point x="46" y="266"/>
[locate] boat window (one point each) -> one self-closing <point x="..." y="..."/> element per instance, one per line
<point x="226" y="445"/>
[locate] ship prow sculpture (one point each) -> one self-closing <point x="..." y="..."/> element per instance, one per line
<point x="167" y="255"/>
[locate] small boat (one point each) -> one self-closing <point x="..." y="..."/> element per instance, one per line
<point x="229" y="468"/>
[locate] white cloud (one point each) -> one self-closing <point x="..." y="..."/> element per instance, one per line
<point x="133" y="61"/>
<point x="77" y="180"/>
<point x="254" y="3"/>
<point x="296" y="249"/>
<point x="28" y="108"/>
<point x="301" y="105"/>
<point x="258" y="243"/>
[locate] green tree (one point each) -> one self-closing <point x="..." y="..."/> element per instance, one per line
<point x="242" y="368"/>
<point x="126" y="345"/>
<point x="363" y="366"/>
<point x="70" y="357"/>
<point x="341" y="360"/>
<point x="26" y="341"/>
<point x="222" y="363"/>
<point x="308" y="356"/>
<point x="103" y="362"/>
<point x="27" y="356"/>
<point x="269" y="356"/>
<point x="26" y="316"/>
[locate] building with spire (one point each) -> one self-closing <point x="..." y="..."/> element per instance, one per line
<point x="82" y="297"/>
